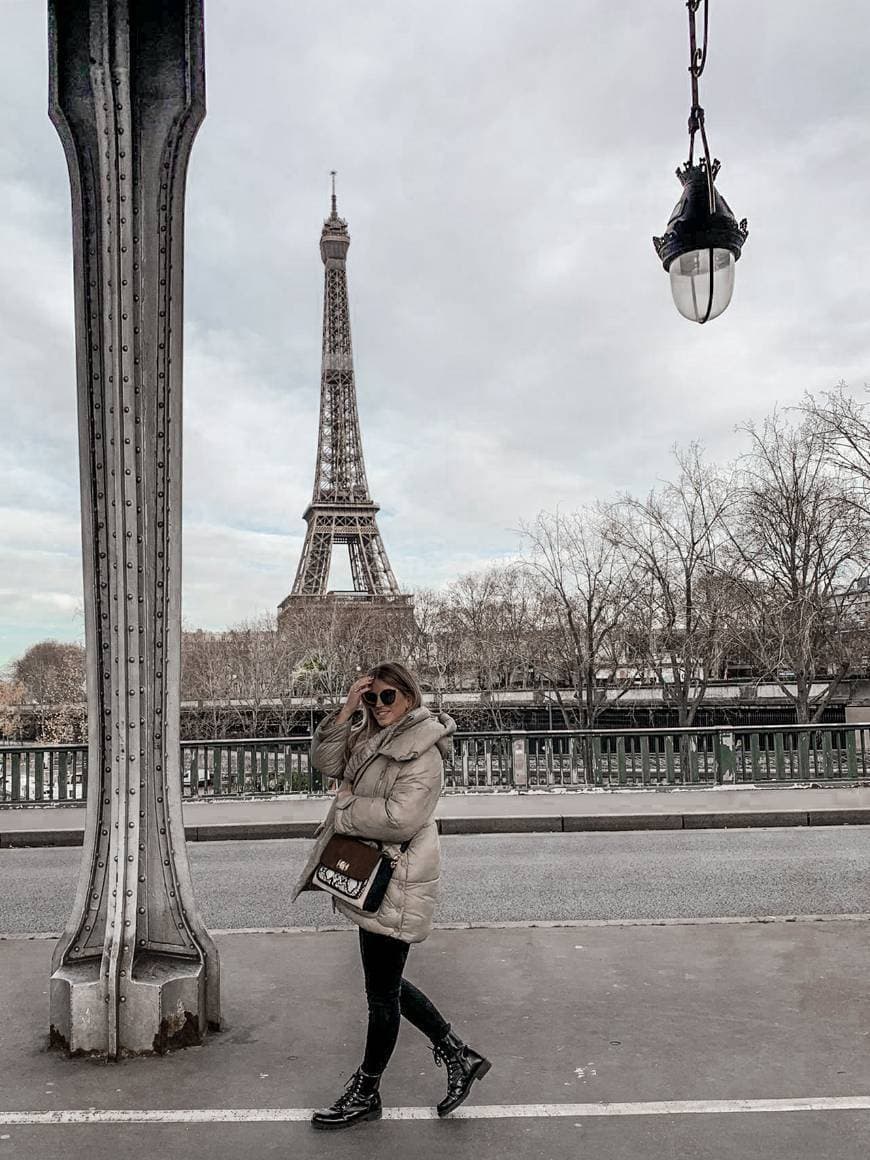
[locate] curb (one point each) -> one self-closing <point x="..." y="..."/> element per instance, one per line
<point x="523" y="824"/>
<point x="13" y="838"/>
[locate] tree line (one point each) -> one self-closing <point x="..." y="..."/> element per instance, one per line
<point x="753" y="570"/>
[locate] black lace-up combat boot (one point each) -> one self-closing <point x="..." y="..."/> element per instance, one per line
<point x="359" y="1101"/>
<point x="463" y="1065"/>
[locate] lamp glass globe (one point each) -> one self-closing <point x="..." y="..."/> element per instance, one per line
<point x="702" y="282"/>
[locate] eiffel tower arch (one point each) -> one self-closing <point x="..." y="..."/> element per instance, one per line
<point x="341" y="510"/>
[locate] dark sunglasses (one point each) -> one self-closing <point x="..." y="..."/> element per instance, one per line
<point x="387" y="697"/>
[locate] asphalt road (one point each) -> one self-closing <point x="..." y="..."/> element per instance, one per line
<point x="510" y="878"/>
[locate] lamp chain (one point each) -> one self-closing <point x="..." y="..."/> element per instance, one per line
<point x="697" y="61"/>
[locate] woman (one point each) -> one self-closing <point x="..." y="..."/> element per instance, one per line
<point x="390" y="771"/>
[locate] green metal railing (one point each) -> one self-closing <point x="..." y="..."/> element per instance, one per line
<point x="566" y="760"/>
<point x="35" y="774"/>
<point x="639" y="758"/>
<point x="265" y="766"/>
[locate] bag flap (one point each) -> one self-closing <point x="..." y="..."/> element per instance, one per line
<point x="350" y="856"/>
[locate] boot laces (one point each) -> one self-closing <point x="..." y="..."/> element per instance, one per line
<point x="454" y="1065"/>
<point x="352" y="1093"/>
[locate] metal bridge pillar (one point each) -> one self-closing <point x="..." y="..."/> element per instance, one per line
<point x="135" y="969"/>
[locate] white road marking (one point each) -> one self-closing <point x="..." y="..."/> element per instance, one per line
<point x="531" y="924"/>
<point x="479" y="1112"/>
<point x="559" y="924"/>
<point x="572" y="924"/>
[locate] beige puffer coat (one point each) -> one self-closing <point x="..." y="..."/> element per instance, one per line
<point x="395" y="790"/>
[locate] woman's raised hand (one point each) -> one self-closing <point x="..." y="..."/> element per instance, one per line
<point x="354" y="696"/>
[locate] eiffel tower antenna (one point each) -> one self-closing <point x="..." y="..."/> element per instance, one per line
<point x="341" y="510"/>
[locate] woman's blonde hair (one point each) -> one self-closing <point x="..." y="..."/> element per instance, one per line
<point x="395" y="674"/>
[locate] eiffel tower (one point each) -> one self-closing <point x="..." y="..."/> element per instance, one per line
<point x="341" y="509"/>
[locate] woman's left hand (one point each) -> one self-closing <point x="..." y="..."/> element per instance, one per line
<point x="344" y="791"/>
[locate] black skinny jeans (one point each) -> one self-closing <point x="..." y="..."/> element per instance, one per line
<point x="389" y="997"/>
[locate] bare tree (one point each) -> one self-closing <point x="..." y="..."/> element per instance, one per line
<point x="206" y="679"/>
<point x="803" y="541"/>
<point x="12" y="697"/>
<point x="433" y="651"/>
<point x="491" y="617"/>
<point x="261" y="672"/>
<point x="331" y="642"/>
<point x="255" y="677"/>
<point x="591" y="585"/>
<point x="678" y="538"/>
<point x="845" y="423"/>
<point x="242" y="678"/>
<point x="52" y="675"/>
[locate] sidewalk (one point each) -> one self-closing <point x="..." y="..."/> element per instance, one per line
<point x="612" y="1042"/>
<point x="489" y="813"/>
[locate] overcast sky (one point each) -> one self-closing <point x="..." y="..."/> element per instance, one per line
<point x="502" y="165"/>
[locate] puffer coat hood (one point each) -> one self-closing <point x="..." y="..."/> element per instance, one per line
<point x="396" y="777"/>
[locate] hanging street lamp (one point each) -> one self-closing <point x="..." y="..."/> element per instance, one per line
<point x="703" y="240"/>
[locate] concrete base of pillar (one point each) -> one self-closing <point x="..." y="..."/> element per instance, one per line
<point x="163" y="1006"/>
<point x="78" y="1020"/>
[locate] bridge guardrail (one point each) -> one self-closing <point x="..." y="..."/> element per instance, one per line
<point x="490" y="761"/>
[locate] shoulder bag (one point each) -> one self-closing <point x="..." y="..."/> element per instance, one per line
<point x="355" y="871"/>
